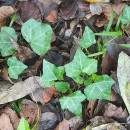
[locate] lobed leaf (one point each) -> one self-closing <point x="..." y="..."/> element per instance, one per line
<point x="16" y="67"/>
<point x="38" y="35"/>
<point x="101" y="89"/>
<point x="80" y="64"/>
<point x="6" y="47"/>
<point x="126" y="15"/>
<point x="88" y="38"/>
<point x="73" y="102"/>
<point x="50" y="73"/>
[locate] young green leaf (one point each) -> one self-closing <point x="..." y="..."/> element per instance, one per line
<point x="80" y="64"/>
<point x="6" y="47"/>
<point x="38" y="35"/>
<point x="101" y="89"/>
<point x="23" y="125"/>
<point x="73" y="102"/>
<point x="78" y="79"/>
<point x="50" y="73"/>
<point x="16" y="67"/>
<point x="88" y="38"/>
<point x="62" y="86"/>
<point x="126" y="15"/>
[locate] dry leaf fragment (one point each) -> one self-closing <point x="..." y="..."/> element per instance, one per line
<point x="30" y="111"/>
<point x="13" y="117"/>
<point x="48" y="93"/>
<point x="5" y="123"/>
<point x="52" y="17"/>
<point x="5" y="12"/>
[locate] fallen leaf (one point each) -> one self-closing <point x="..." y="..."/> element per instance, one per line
<point x="68" y="10"/>
<point x="5" y="123"/>
<point x="95" y="8"/>
<point x="29" y="10"/>
<point x="123" y="74"/>
<point x="5" y="12"/>
<point x="48" y="93"/>
<point x="5" y="76"/>
<point x="13" y="117"/>
<point x="117" y="113"/>
<point x="9" y="93"/>
<point x="30" y="111"/>
<point x="48" y="121"/>
<point x="52" y="17"/>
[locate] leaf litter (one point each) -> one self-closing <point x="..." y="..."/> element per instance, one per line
<point x="70" y="43"/>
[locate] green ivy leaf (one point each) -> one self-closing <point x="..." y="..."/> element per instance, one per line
<point x="16" y="67"/>
<point x="101" y="89"/>
<point x="126" y="15"/>
<point x="38" y="35"/>
<point x="88" y="38"/>
<point x="72" y="102"/>
<point x="79" y="79"/>
<point x="80" y="64"/>
<point x="50" y="73"/>
<point x="6" y="47"/>
<point x="62" y="86"/>
<point x="23" y="125"/>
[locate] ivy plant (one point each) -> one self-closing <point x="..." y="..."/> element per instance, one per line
<point x="38" y="35"/>
<point x="16" y="67"/>
<point x="6" y="47"/>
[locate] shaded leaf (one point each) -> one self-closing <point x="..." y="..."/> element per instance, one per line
<point x="101" y="89"/>
<point x="73" y="102"/>
<point x="88" y="38"/>
<point x="123" y="74"/>
<point x="16" y="67"/>
<point x="38" y="35"/>
<point x="23" y="125"/>
<point x="6" y="47"/>
<point x="81" y="64"/>
<point x="51" y="73"/>
<point x="62" y="86"/>
<point x="126" y="15"/>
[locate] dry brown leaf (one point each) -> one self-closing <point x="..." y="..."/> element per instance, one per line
<point x="5" y="123"/>
<point x="72" y="124"/>
<point x="52" y="17"/>
<point x="5" y="12"/>
<point x="95" y="8"/>
<point x="30" y="111"/>
<point x="5" y="76"/>
<point x="111" y="111"/>
<point x="13" y="117"/>
<point x="2" y="23"/>
<point x="29" y="10"/>
<point x="48" y="93"/>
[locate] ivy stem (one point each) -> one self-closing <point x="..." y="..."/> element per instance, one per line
<point x="97" y="54"/>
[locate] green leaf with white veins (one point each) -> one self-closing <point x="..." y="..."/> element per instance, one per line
<point x="88" y="38"/>
<point x="126" y="15"/>
<point x="81" y="64"/>
<point x="62" y="86"/>
<point x="38" y="35"/>
<point x="50" y="73"/>
<point x="101" y="89"/>
<point x="16" y="67"/>
<point x="6" y="47"/>
<point x="73" y="102"/>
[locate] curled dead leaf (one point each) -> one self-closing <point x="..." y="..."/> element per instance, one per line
<point x="5" y="12"/>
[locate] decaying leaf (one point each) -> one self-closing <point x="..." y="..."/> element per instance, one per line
<point x="9" y="93"/>
<point x="30" y="111"/>
<point x="123" y="74"/>
<point x="48" y="93"/>
<point x="5" y="12"/>
<point x="5" y="123"/>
